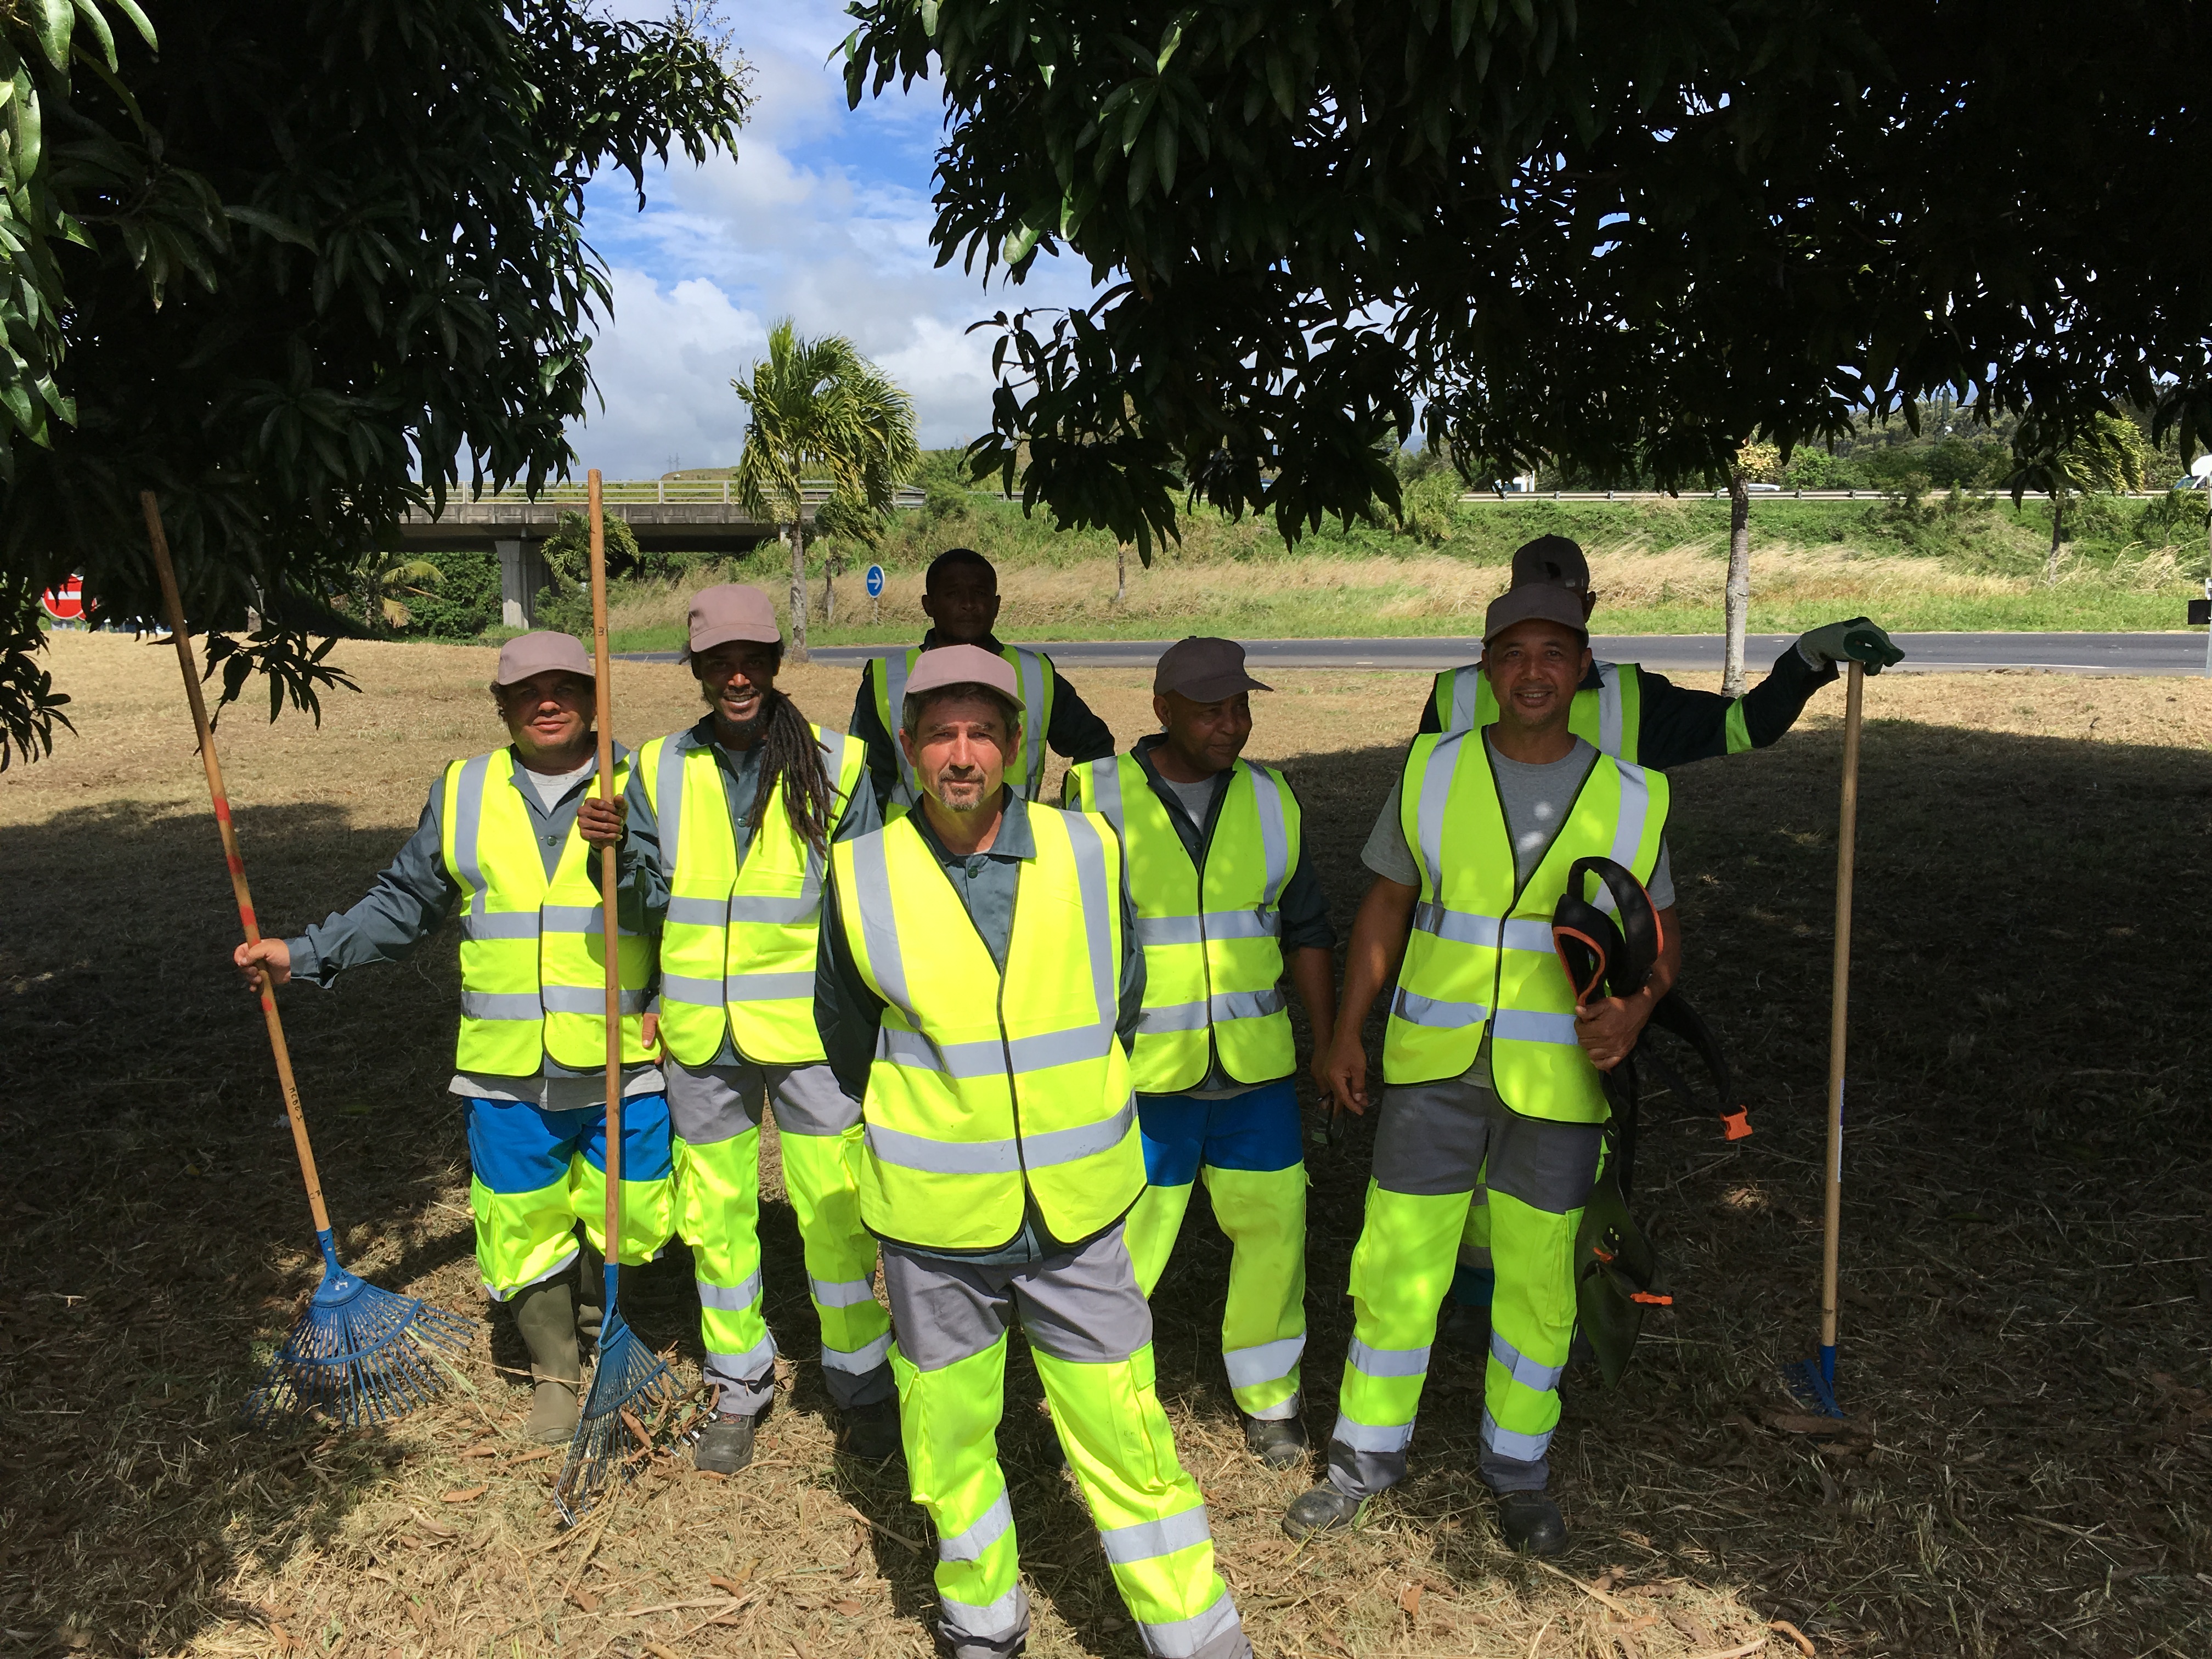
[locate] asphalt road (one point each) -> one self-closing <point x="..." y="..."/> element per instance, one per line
<point x="2055" y="653"/>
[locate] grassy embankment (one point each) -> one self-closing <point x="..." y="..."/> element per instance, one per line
<point x="1964" y="564"/>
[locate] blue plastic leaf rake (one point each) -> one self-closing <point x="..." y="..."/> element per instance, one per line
<point x="630" y="1385"/>
<point x="358" y="1354"/>
<point x="1812" y="1382"/>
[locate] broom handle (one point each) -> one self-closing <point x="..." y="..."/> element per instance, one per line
<point x="173" y="605"/>
<point x="1846" y="844"/>
<point x="601" y="667"/>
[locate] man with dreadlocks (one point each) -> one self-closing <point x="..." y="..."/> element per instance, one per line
<point x="728" y="828"/>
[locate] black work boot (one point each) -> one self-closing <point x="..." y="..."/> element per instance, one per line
<point x="1530" y="1522"/>
<point x="724" y="1445"/>
<point x="870" y="1431"/>
<point x="545" y="1314"/>
<point x="1278" y="1442"/>
<point x="1324" y="1510"/>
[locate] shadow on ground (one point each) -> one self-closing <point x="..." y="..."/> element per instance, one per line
<point x="2026" y="1331"/>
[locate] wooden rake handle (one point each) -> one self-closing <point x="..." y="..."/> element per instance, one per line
<point x="1847" y="831"/>
<point x="602" y="667"/>
<point x="174" y="605"/>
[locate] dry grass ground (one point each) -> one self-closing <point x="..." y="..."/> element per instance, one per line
<point x="2025" y="1334"/>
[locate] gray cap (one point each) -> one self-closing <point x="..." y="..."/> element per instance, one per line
<point x="963" y="664"/>
<point x="1204" y="670"/>
<point x="1550" y="559"/>
<point x="1535" y="602"/>
<point x="542" y="653"/>
<point x="733" y="611"/>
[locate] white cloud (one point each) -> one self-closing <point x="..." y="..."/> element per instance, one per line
<point x="824" y="217"/>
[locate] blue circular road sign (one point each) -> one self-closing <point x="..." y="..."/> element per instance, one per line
<point x="875" y="581"/>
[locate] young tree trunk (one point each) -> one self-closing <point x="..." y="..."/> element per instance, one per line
<point x="2051" y="564"/>
<point x="796" y="651"/>
<point x="1737" y="602"/>
<point x="829" y="592"/>
<point x="1120" y="574"/>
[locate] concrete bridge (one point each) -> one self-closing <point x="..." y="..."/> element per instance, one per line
<point x="666" y="515"/>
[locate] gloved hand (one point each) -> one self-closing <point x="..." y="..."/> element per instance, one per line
<point x="1856" y="640"/>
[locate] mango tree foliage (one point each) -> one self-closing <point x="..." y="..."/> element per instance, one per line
<point x="1615" y="236"/>
<point x="304" y="266"/>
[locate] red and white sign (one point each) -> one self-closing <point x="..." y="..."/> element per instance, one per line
<point x="65" y="601"/>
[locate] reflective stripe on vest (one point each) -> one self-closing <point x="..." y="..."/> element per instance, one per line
<point x="1039" y="683"/>
<point x="533" y="951"/>
<point x="1608" y="716"/>
<point x="987" y="1086"/>
<point x="737" y="946"/>
<point x="1210" y="931"/>
<point x="1480" y="955"/>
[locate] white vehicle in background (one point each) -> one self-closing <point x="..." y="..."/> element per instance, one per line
<point x="2200" y="475"/>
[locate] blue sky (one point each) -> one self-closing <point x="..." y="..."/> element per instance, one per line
<point x="824" y="217"/>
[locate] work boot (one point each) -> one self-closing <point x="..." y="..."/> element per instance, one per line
<point x="1324" y="1510"/>
<point x="724" y="1445"/>
<point x="871" y="1431"/>
<point x="590" y="1291"/>
<point x="1278" y="1442"/>
<point x="1530" y="1522"/>
<point x="1465" y="1328"/>
<point x="545" y="1314"/>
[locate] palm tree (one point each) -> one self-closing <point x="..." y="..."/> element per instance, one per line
<point x="818" y="406"/>
<point x="383" y="582"/>
<point x="2105" y="455"/>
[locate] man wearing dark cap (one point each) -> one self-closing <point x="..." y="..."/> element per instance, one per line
<point x="498" y="842"/>
<point x="1636" y="716"/>
<point x="1489" y="1061"/>
<point x="978" y="987"/>
<point x="1226" y="905"/>
<point x="729" y="824"/>
<point x="960" y="595"/>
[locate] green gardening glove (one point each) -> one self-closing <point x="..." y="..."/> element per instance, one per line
<point x="1856" y="640"/>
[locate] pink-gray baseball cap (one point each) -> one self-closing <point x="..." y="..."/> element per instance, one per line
<point x="963" y="664"/>
<point x="541" y="654"/>
<point x="732" y="610"/>
<point x="1204" y="670"/>
<point x="1535" y="602"/>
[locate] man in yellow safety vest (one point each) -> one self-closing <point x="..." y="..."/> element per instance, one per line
<point x="978" y="986"/>
<point x="1633" y="714"/>
<point x="498" y="842"/>
<point x="729" y="825"/>
<point x="1490" y="1061"/>
<point x="960" y="595"/>
<point x="1227" y="904"/>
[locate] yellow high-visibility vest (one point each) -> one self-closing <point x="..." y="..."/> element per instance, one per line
<point x="1481" y="956"/>
<point x="988" y="1088"/>
<point x="1608" y="716"/>
<point x="736" y="949"/>
<point x="533" y="953"/>
<point x="1210" y="932"/>
<point x="1033" y="672"/>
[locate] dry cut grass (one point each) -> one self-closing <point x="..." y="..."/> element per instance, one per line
<point x="2024" y="1344"/>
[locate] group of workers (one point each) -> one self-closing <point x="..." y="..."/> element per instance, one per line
<point x="1002" y="1041"/>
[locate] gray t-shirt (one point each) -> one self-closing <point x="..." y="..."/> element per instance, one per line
<point x="1197" y="798"/>
<point x="1535" y="800"/>
<point x="552" y="786"/>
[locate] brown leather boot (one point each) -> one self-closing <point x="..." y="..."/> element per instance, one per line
<point x="545" y="1314"/>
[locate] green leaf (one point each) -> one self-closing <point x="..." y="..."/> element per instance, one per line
<point x="90" y="12"/>
<point x="270" y="225"/>
<point x="56" y="19"/>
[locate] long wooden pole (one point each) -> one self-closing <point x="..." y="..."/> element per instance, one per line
<point x="173" y="605"/>
<point x="1847" y="829"/>
<point x="602" y="666"/>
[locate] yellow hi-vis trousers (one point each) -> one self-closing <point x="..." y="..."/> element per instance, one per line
<point x="1246" y="1150"/>
<point x="536" y="1171"/>
<point x="1429" y="1152"/>
<point x="1091" y="1334"/>
<point x="716" y="1113"/>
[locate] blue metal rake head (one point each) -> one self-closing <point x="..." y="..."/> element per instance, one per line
<point x="358" y="1354"/>
<point x="613" y="1440"/>
<point x="1813" y="1383"/>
